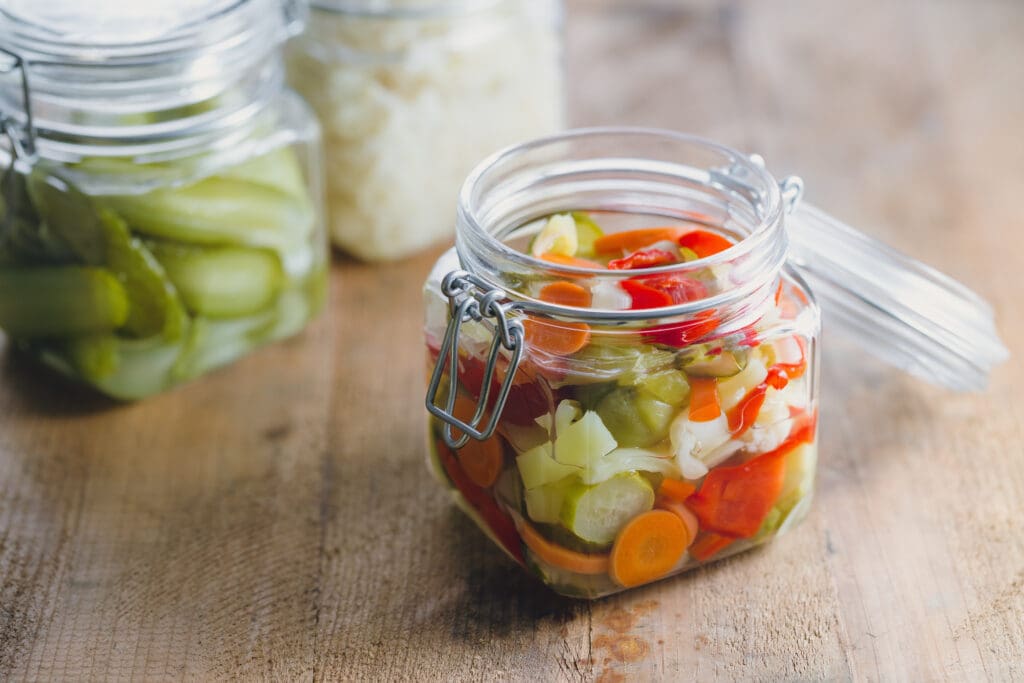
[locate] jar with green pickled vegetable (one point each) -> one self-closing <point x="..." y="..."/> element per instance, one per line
<point x="623" y="351"/>
<point x="161" y="191"/>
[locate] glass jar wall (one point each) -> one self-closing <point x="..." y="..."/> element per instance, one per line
<point x="161" y="201"/>
<point x="659" y="415"/>
<point x="412" y="94"/>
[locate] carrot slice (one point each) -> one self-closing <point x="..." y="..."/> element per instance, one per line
<point x="647" y="548"/>
<point x="565" y="294"/>
<point x="632" y="240"/>
<point x="704" y="403"/>
<point x="709" y="545"/>
<point x="574" y="261"/>
<point x="704" y="242"/>
<point x="556" y="337"/>
<point x="481" y="460"/>
<point x="677" y="489"/>
<point x="682" y="512"/>
<point x="560" y="556"/>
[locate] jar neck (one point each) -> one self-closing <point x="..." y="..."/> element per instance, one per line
<point x="629" y="171"/>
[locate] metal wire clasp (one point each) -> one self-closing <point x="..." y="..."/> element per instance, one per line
<point x="21" y="136"/>
<point x="471" y="298"/>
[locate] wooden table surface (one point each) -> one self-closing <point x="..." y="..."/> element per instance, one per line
<point x="277" y="520"/>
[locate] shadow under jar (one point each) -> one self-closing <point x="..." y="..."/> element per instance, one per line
<point x="623" y="355"/>
<point x="411" y="95"/>
<point x="161" y="198"/>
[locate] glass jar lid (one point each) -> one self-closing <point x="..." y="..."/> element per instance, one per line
<point x="898" y="309"/>
<point x="111" y="73"/>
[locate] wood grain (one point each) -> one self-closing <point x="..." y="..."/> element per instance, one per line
<point x="275" y="520"/>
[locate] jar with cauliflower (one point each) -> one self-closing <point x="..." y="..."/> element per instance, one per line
<point x="411" y="94"/>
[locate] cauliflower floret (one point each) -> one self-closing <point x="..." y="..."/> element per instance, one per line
<point x="609" y="296"/>
<point x="699" y="445"/>
<point x="772" y="425"/>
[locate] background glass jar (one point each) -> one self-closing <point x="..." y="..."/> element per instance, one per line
<point x="161" y="200"/>
<point x="608" y="466"/>
<point x="412" y="94"/>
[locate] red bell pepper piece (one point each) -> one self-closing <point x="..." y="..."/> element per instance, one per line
<point x="733" y="501"/>
<point x="704" y="242"/>
<point x="708" y="545"/>
<point x="645" y="258"/>
<point x="680" y="289"/>
<point x="683" y="333"/>
<point x="480" y="500"/>
<point x="645" y="296"/>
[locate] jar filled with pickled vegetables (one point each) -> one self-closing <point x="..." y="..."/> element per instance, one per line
<point x="623" y="351"/>
<point x="411" y="95"/>
<point x="161" y="188"/>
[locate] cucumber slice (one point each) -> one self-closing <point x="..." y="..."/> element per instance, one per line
<point x="278" y="170"/>
<point x="217" y="211"/>
<point x="597" y="513"/>
<point x="583" y="442"/>
<point x="700" y="363"/>
<point x="558" y="236"/>
<point x="99" y="237"/>
<point x="224" y="282"/>
<point x="587" y="232"/>
<point x="60" y="301"/>
<point x="799" y="477"/>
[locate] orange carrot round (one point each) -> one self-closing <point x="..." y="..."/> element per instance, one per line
<point x="682" y="512"/>
<point x="480" y="460"/>
<point x="555" y="336"/>
<point x="704" y="403"/>
<point x="632" y="240"/>
<point x="676" y="489"/>
<point x="560" y="556"/>
<point x="575" y="261"/>
<point x="647" y="548"/>
<point x="565" y="294"/>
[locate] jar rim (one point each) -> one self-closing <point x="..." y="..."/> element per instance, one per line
<point x="93" y="95"/>
<point x="767" y="233"/>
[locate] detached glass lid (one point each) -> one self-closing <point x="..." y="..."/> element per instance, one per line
<point x="898" y="309"/>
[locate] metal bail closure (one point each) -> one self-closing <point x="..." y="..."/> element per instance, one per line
<point x="472" y="299"/>
<point x="22" y="136"/>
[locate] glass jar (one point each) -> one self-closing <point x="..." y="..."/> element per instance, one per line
<point x="608" y="444"/>
<point x="161" y="196"/>
<point x="411" y="94"/>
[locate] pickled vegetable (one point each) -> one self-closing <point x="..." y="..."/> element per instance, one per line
<point x="134" y="293"/>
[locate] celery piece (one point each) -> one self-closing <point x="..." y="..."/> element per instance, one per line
<point x="219" y="211"/>
<point x="221" y="282"/>
<point x="587" y="232"/>
<point x="58" y="301"/>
